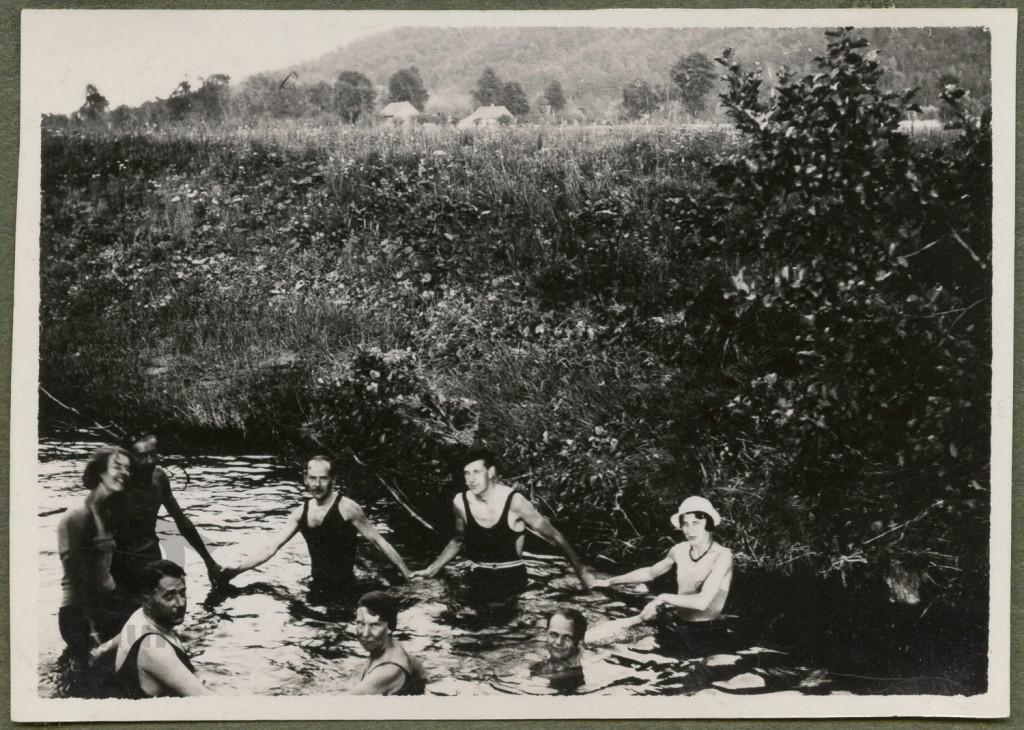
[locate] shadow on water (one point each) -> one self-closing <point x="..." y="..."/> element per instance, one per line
<point x="262" y="635"/>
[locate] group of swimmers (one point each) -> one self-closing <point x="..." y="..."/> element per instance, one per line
<point x="121" y="597"/>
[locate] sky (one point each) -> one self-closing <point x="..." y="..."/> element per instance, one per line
<point x="133" y="56"/>
<point x="136" y="56"/>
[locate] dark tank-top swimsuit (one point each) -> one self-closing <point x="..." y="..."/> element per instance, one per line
<point x="499" y="572"/>
<point x="332" y="550"/>
<point x="126" y="679"/>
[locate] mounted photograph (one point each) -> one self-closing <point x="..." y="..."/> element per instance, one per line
<point x="527" y="364"/>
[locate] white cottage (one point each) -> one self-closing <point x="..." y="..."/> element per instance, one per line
<point x="486" y="116"/>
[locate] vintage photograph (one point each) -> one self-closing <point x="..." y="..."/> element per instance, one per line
<point x="547" y="364"/>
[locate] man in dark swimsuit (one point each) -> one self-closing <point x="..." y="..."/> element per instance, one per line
<point x="151" y="661"/>
<point x="490" y="524"/>
<point x="329" y="523"/>
<point x="134" y="515"/>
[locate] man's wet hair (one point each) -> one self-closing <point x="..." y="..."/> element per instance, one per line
<point x="382" y="605"/>
<point x="98" y="463"/>
<point x="579" y="622"/>
<point x="709" y="522"/>
<point x="144" y="436"/>
<point x="477" y="453"/>
<point x="320" y="457"/>
<point x="152" y="573"/>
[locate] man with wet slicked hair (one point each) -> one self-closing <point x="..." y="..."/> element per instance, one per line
<point x="490" y="524"/>
<point x="566" y="630"/>
<point x="151" y="661"/>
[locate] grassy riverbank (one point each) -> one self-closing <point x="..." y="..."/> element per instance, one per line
<point x="561" y="296"/>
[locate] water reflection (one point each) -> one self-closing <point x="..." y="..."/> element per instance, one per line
<point x="261" y="636"/>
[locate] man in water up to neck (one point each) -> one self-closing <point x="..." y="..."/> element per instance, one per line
<point x="490" y="523"/>
<point x="329" y="522"/>
<point x="151" y="661"/>
<point x="703" y="573"/>
<point x="565" y="632"/>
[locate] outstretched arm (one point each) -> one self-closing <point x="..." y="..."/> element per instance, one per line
<point x="537" y="522"/>
<point x="267" y="549"/>
<point x="354" y="514"/>
<point x="186" y="528"/>
<point x="158" y="659"/>
<point x="640" y="575"/>
<point x="712" y="584"/>
<point x="450" y="550"/>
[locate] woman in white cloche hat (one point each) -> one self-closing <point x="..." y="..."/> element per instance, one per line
<point x="703" y="571"/>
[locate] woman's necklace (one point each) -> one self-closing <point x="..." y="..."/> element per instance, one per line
<point x="697" y="560"/>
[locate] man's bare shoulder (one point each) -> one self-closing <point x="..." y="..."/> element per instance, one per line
<point x="349" y="508"/>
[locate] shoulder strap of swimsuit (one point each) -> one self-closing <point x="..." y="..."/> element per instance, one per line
<point x="405" y="671"/>
<point x="508" y="507"/>
<point x="133" y="652"/>
<point x="304" y="520"/>
<point x="465" y="505"/>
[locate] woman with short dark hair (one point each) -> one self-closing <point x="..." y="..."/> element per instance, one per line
<point x="89" y="612"/>
<point x="390" y="670"/>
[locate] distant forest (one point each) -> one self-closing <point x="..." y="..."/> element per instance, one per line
<point x="594" y="64"/>
<point x="597" y="74"/>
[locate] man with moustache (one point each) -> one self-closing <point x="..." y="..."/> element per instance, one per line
<point x="329" y="523"/>
<point x="565" y="632"/>
<point x="135" y="514"/>
<point x="151" y="661"/>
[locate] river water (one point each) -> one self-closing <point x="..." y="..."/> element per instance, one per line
<point x="261" y="636"/>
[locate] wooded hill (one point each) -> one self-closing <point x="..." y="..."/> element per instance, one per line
<point x="593" y="64"/>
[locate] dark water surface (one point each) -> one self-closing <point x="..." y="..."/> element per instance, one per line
<point x="262" y="637"/>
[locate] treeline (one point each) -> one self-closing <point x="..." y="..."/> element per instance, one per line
<point x="595" y="64"/>
<point x="666" y="87"/>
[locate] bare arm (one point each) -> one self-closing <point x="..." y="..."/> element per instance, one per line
<point x="158" y="659"/>
<point x="640" y="575"/>
<point x="380" y="681"/>
<point x="354" y="514"/>
<point x="451" y="549"/>
<point x="268" y="549"/>
<point x="68" y="534"/>
<point x="712" y="584"/>
<point x="185" y="526"/>
<point x="539" y="524"/>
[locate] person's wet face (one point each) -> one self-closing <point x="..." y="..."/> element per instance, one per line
<point x="693" y="527"/>
<point x="560" y="641"/>
<point x="115" y="477"/>
<point x="371" y="630"/>
<point x="478" y="476"/>
<point x="166" y="603"/>
<point x="319" y="480"/>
